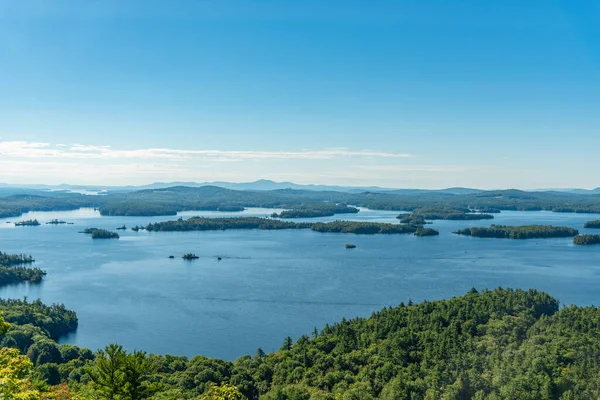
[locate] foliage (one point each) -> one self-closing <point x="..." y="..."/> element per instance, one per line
<point x="222" y="392"/>
<point x="55" y="319"/>
<point x="15" y="382"/>
<point x="119" y="375"/>
<point x="586" y="239"/>
<point x="519" y="232"/>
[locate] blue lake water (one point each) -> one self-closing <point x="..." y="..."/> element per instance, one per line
<point x="271" y="284"/>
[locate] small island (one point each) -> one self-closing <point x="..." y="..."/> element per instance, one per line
<point x="100" y="233"/>
<point x="586" y="239"/>
<point x="13" y="271"/>
<point x="122" y="228"/>
<point x="326" y="210"/>
<point x="30" y="222"/>
<point x="190" y="256"/>
<point x="520" y="232"/>
<point x="350" y="246"/>
<point x="592" y="224"/>
<point x="421" y="231"/>
<point x="414" y="219"/>
<point x="15" y="259"/>
<point x="56" y="222"/>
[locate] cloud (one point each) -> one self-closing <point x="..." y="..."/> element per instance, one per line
<point x="419" y="168"/>
<point x="24" y="149"/>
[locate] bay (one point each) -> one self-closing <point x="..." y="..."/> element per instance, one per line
<point x="273" y="284"/>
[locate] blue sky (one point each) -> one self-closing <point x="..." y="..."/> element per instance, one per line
<point x="425" y="94"/>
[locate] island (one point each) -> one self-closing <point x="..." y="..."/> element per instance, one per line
<point x="12" y="269"/>
<point x="586" y="239"/>
<point x="213" y="224"/>
<point x="15" y="259"/>
<point x="421" y="231"/>
<point x="438" y="212"/>
<point x="100" y="233"/>
<point x="520" y="232"/>
<point x="410" y="218"/>
<point x="190" y="256"/>
<point x="592" y="224"/>
<point x="29" y="222"/>
<point x="122" y="228"/>
<point x="56" y="222"/>
<point x="324" y="210"/>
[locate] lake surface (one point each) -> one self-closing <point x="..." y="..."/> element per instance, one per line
<point x="271" y="284"/>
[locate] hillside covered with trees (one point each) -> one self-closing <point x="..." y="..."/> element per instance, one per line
<point x="496" y="344"/>
<point x="169" y="201"/>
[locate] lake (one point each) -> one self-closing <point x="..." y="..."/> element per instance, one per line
<point x="273" y="284"/>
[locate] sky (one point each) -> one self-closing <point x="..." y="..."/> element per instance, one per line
<point x="404" y="94"/>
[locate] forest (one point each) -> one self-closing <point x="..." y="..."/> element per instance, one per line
<point x="519" y="232"/>
<point x="169" y="201"/>
<point x="489" y="344"/>
<point x="209" y="224"/>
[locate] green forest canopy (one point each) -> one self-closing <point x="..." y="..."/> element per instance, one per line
<point x="484" y="345"/>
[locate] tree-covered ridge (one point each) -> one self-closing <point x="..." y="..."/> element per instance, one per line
<point x="318" y="210"/>
<point x="592" y="224"/>
<point x="586" y="239"/>
<point x="169" y="201"/>
<point x="499" y="344"/>
<point x="17" y="204"/>
<point x="520" y="232"/>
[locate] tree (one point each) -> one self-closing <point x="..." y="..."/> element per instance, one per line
<point x="287" y="343"/>
<point x="137" y="368"/>
<point x="118" y="375"/>
<point x="4" y="326"/>
<point x="15" y="369"/>
<point x="222" y="392"/>
<point x="108" y="374"/>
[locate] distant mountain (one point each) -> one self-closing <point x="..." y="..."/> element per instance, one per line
<point x="261" y="185"/>
<point x="571" y="190"/>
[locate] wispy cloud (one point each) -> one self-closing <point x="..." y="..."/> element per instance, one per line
<point x="24" y="149"/>
<point x="418" y="168"/>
